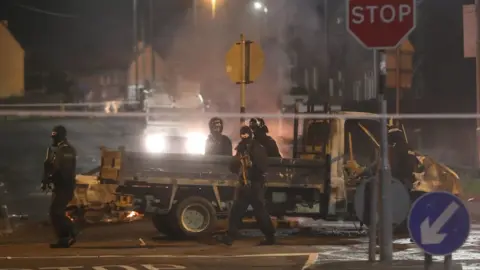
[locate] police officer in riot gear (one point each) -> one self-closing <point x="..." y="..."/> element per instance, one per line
<point x="251" y="163"/>
<point x="59" y="174"/>
<point x="260" y="131"/>
<point x="217" y="143"/>
<point x="403" y="162"/>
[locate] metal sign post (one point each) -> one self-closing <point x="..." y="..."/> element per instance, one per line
<point x="380" y="25"/>
<point x="372" y="229"/>
<point x="364" y="200"/>
<point x="386" y="232"/>
<point x="439" y="223"/>
<point x="244" y="63"/>
<point x="245" y="74"/>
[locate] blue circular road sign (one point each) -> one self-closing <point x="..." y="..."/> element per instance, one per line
<point x="439" y="223"/>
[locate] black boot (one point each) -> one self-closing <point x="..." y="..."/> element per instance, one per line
<point x="73" y="234"/>
<point x="224" y="239"/>
<point x="65" y="242"/>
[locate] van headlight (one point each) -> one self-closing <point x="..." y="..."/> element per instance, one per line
<point x="196" y="143"/>
<point x="155" y="143"/>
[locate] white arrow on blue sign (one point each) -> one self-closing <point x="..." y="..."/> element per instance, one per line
<point x="439" y="223"/>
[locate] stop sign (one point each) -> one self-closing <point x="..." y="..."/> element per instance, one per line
<point x="380" y="24"/>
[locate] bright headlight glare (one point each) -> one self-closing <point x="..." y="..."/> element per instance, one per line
<point x="196" y="143"/>
<point x="155" y="143"/>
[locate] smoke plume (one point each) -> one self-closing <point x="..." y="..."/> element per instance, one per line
<point x="289" y="31"/>
<point x="199" y="46"/>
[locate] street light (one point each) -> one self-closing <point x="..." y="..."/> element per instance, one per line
<point x="213" y="5"/>
<point x="259" y="6"/>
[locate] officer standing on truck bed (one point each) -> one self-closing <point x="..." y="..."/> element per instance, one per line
<point x="260" y="131"/>
<point x="217" y="143"/>
<point x="251" y="162"/>
<point x="59" y="174"/>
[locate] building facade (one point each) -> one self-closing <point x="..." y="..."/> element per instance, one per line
<point x="12" y="55"/>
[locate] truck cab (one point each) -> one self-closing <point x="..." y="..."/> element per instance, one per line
<point x="353" y="146"/>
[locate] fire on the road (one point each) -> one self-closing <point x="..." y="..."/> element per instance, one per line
<point x="133" y="214"/>
<point x="121" y="217"/>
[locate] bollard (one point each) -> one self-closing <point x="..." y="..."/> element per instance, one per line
<point x="5" y="224"/>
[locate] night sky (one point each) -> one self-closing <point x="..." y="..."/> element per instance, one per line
<point x="74" y="33"/>
<point x="86" y="34"/>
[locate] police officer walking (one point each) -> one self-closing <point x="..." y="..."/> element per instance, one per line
<point x="251" y="163"/>
<point x="59" y="173"/>
<point x="260" y="131"/>
<point x="217" y="143"/>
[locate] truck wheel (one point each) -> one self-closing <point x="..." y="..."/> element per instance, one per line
<point x="164" y="225"/>
<point x="195" y="216"/>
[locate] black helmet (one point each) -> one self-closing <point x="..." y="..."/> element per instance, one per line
<point x="216" y="125"/>
<point x="245" y="132"/>
<point x="258" y="125"/>
<point x="395" y="136"/>
<point x="59" y="132"/>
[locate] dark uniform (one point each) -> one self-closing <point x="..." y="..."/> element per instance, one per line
<point x="217" y="144"/>
<point x="260" y="131"/>
<point x="251" y="162"/>
<point x="59" y="172"/>
<point x="403" y="163"/>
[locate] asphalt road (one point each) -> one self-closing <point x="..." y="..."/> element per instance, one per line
<point x="117" y="246"/>
<point x="120" y="246"/>
<point x="153" y="263"/>
<point x="138" y="246"/>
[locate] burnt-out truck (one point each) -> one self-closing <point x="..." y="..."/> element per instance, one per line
<point x="189" y="195"/>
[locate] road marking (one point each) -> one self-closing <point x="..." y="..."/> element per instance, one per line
<point x="162" y="266"/>
<point x="312" y="259"/>
<point x="153" y="256"/>
<point x="61" y="268"/>
<point x="109" y="267"/>
<point x="105" y="267"/>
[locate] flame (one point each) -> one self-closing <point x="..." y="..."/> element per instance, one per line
<point x="132" y="214"/>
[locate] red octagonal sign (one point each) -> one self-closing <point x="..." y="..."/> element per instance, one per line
<point x="380" y="24"/>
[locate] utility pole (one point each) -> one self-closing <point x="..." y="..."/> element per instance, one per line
<point x="398" y="76"/>
<point x="477" y="61"/>
<point x="152" y="41"/>
<point x="141" y="50"/>
<point x="326" y="40"/>
<point x="194" y="7"/>
<point x="135" y="43"/>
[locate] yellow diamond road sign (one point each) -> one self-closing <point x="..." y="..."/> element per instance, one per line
<point x="254" y="62"/>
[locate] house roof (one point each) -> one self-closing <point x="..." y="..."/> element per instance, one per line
<point x="4" y="24"/>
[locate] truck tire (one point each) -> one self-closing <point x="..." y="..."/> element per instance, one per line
<point x="194" y="217"/>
